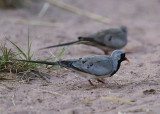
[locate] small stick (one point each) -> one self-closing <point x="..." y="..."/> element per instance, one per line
<point x="36" y="23"/>
<point x="43" y="77"/>
<point x="111" y="98"/>
<point x="79" y="11"/>
<point x="44" y="9"/>
<point x="117" y="99"/>
<point x="51" y="92"/>
<point x="12" y="98"/>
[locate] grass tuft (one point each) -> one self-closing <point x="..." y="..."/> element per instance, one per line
<point x="7" y="55"/>
<point x="27" y="71"/>
<point x="23" y="55"/>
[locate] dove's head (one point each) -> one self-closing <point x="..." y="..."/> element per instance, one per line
<point x="119" y="55"/>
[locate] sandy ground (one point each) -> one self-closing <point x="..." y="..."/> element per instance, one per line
<point x="142" y="19"/>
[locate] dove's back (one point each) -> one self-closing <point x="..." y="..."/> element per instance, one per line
<point x="96" y="65"/>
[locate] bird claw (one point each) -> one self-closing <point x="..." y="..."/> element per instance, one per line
<point x="97" y="80"/>
<point x="101" y="81"/>
<point x="90" y="83"/>
<point x="106" y="53"/>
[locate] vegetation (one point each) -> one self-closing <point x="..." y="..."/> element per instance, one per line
<point x="11" y="3"/>
<point x="26" y="70"/>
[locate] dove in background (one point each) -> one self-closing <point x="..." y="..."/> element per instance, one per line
<point x="106" y="40"/>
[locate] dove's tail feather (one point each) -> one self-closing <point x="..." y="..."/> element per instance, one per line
<point x="40" y="62"/>
<point x="79" y="41"/>
<point x="59" y="45"/>
<point x="66" y="64"/>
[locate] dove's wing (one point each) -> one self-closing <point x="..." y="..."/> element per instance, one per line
<point x="95" y="65"/>
<point x="112" y="38"/>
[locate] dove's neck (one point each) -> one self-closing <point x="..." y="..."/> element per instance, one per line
<point x="116" y="66"/>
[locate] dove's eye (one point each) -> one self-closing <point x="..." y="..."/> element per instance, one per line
<point x="110" y="38"/>
<point x="123" y="55"/>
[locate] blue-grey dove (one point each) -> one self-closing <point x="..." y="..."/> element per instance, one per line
<point x="92" y="67"/>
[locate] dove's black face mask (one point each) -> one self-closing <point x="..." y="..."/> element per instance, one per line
<point x="123" y="58"/>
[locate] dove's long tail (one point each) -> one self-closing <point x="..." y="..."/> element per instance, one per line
<point x="40" y="62"/>
<point x="79" y="41"/>
<point x="66" y="64"/>
<point x="59" y="45"/>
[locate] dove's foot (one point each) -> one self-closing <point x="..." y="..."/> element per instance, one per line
<point x="101" y="81"/>
<point x="90" y="83"/>
<point x="106" y="53"/>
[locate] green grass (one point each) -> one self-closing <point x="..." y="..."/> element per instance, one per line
<point x="7" y="54"/>
<point x="26" y="56"/>
<point x="24" y="69"/>
<point x="21" y="68"/>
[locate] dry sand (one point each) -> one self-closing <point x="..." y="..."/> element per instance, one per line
<point x="142" y="17"/>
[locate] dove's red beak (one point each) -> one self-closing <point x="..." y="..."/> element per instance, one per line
<point x="127" y="59"/>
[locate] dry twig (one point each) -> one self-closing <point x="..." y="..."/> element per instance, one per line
<point x="79" y="11"/>
<point x="51" y="92"/>
<point x="36" y="23"/>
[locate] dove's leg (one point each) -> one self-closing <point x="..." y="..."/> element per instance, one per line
<point x="101" y="81"/>
<point x="90" y="83"/>
<point x="106" y="53"/>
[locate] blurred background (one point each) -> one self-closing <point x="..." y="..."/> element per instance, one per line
<point x="52" y="22"/>
<point x="55" y="21"/>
